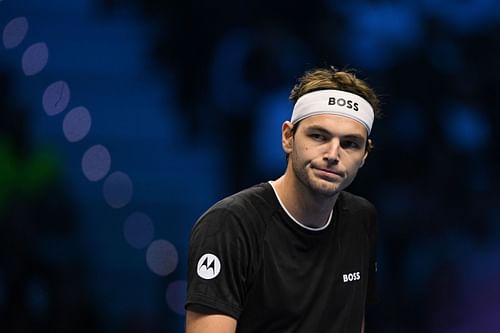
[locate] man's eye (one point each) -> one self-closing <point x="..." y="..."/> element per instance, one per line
<point x="317" y="137"/>
<point x="350" y="144"/>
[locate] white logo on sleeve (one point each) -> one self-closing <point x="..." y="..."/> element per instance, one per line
<point x="351" y="277"/>
<point x="208" y="266"/>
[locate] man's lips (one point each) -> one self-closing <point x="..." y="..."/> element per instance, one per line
<point x="330" y="172"/>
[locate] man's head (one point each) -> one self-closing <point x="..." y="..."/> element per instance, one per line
<point x="335" y="111"/>
<point x="331" y="78"/>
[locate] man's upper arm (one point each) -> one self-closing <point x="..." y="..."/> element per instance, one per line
<point x="209" y="323"/>
<point x="217" y="265"/>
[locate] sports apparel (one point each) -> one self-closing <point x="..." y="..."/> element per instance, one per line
<point x="336" y="102"/>
<point x="249" y="259"/>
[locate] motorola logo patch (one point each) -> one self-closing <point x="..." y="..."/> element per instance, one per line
<point x="208" y="266"/>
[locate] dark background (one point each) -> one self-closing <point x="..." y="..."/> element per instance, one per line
<point x="122" y="121"/>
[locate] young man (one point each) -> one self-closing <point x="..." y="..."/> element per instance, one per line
<point x="296" y="254"/>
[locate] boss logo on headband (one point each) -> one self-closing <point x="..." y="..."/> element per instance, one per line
<point x="342" y="102"/>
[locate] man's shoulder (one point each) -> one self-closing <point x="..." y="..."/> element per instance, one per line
<point x="355" y="202"/>
<point x="251" y="204"/>
<point x="359" y="211"/>
<point x="250" y="197"/>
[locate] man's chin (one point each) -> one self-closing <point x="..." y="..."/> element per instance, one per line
<point x="326" y="190"/>
<point x="318" y="186"/>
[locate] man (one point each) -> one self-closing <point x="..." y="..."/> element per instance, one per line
<point x="296" y="254"/>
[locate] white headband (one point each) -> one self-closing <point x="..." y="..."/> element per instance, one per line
<point x="337" y="102"/>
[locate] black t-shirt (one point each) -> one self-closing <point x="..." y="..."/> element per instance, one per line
<point x="249" y="259"/>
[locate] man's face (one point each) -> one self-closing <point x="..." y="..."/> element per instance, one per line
<point x="326" y="152"/>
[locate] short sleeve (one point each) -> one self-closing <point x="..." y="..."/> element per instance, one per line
<point x="217" y="264"/>
<point x="372" y="293"/>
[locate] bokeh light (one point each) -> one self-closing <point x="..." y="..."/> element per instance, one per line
<point x="56" y="98"/>
<point x="176" y="296"/>
<point x="466" y="127"/>
<point x="117" y="189"/>
<point x="138" y="230"/>
<point x="76" y="124"/>
<point x="464" y="16"/>
<point x="271" y="113"/>
<point x="14" y="32"/>
<point x="162" y="257"/>
<point x="96" y="163"/>
<point x="35" y="59"/>
<point x="377" y="33"/>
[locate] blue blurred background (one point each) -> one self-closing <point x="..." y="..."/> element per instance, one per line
<point x="121" y="121"/>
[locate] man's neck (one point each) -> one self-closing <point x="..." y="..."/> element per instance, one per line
<point x="310" y="209"/>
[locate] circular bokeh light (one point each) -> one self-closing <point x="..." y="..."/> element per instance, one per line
<point x="138" y="230"/>
<point x="35" y="59"/>
<point x="14" y="32"/>
<point x="162" y="257"/>
<point x="76" y="124"/>
<point x="117" y="189"/>
<point x="96" y="163"/>
<point x="56" y="98"/>
<point x="176" y="296"/>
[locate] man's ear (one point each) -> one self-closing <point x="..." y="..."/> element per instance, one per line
<point x="287" y="137"/>
<point x="363" y="160"/>
<point x="369" y="143"/>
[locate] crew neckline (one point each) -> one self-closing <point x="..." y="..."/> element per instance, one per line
<point x="294" y="219"/>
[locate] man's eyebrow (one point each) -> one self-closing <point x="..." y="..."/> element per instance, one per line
<point x="325" y="131"/>
<point x="354" y="137"/>
<point x="318" y="128"/>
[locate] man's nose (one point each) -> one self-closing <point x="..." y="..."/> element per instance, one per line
<point x="332" y="152"/>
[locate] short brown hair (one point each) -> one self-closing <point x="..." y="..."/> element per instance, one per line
<point x="331" y="78"/>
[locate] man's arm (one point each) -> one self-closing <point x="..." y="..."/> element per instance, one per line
<point x="213" y="323"/>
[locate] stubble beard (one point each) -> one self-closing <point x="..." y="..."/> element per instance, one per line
<point x="316" y="186"/>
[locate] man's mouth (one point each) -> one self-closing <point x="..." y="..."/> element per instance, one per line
<point x="330" y="172"/>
